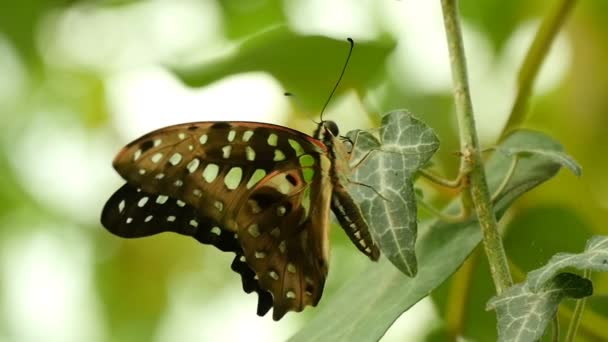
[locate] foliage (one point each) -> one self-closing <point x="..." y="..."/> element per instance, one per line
<point x="62" y="105"/>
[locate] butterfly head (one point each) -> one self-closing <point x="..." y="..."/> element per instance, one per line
<point x="326" y="131"/>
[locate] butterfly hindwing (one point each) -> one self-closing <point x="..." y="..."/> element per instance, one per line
<point x="131" y="213"/>
<point x="285" y="236"/>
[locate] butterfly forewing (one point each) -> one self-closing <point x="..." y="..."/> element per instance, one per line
<point x="267" y="184"/>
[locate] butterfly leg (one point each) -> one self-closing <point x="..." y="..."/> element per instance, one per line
<point x="369" y="187"/>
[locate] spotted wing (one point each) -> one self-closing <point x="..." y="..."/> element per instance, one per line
<point x="269" y="184"/>
<point x="131" y="213"/>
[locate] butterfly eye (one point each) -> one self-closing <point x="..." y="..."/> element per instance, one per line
<point x="332" y="128"/>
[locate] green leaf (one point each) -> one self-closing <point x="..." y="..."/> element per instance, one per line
<point x="525" y="310"/>
<point x="594" y="258"/>
<point x="369" y="303"/>
<point x="523" y="314"/>
<point x="558" y="156"/>
<point x="307" y="66"/>
<point x="405" y="145"/>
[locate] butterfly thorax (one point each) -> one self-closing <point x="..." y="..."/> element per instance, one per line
<point x="343" y="205"/>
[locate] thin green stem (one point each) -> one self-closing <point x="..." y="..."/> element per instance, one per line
<point x="458" y="297"/>
<point x="577" y="316"/>
<point x="506" y="179"/>
<point x="448" y="183"/>
<point x="440" y="215"/>
<point x="555" y="329"/>
<point x="534" y="59"/>
<point x="471" y="166"/>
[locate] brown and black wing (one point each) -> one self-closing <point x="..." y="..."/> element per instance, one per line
<point x="132" y="213"/>
<point x="238" y="175"/>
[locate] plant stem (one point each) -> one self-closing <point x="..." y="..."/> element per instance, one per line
<point x="471" y="166"/>
<point x="533" y="61"/>
<point x="448" y="183"/>
<point x="577" y="316"/>
<point x="505" y="180"/>
<point x="458" y="297"/>
<point x="555" y="329"/>
<point x="440" y="215"/>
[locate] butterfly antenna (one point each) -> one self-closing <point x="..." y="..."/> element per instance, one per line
<point x="350" y="52"/>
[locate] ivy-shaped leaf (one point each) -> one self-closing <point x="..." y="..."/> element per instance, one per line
<point x="525" y="309"/>
<point x="367" y="305"/>
<point x="388" y="198"/>
<point x="523" y="314"/>
<point x="594" y="258"/>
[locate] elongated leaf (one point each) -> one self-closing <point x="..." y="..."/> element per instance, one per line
<point x="369" y="303"/>
<point x="280" y="52"/>
<point x="525" y="310"/>
<point x="523" y="314"/>
<point x="405" y="145"/>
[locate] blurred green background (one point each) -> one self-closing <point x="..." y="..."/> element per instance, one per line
<point x="80" y="79"/>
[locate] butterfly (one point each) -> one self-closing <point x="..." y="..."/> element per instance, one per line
<point x="261" y="191"/>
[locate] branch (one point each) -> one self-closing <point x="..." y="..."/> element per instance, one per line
<point x="471" y="166"/>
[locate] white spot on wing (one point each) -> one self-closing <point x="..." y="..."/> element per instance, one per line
<point x="226" y="150"/>
<point x="233" y="178"/>
<point x="247" y="135"/>
<point x="249" y="153"/>
<point x="175" y="159"/>
<point x="255" y="207"/>
<point x="256" y="177"/>
<point x="193" y="165"/>
<point x="278" y="155"/>
<point x="254" y="230"/>
<point x="210" y="172"/>
<point x="260" y="255"/>
<point x="156" y="157"/>
<point x="142" y="201"/>
<point x="231" y="135"/>
<point x="273" y="139"/>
